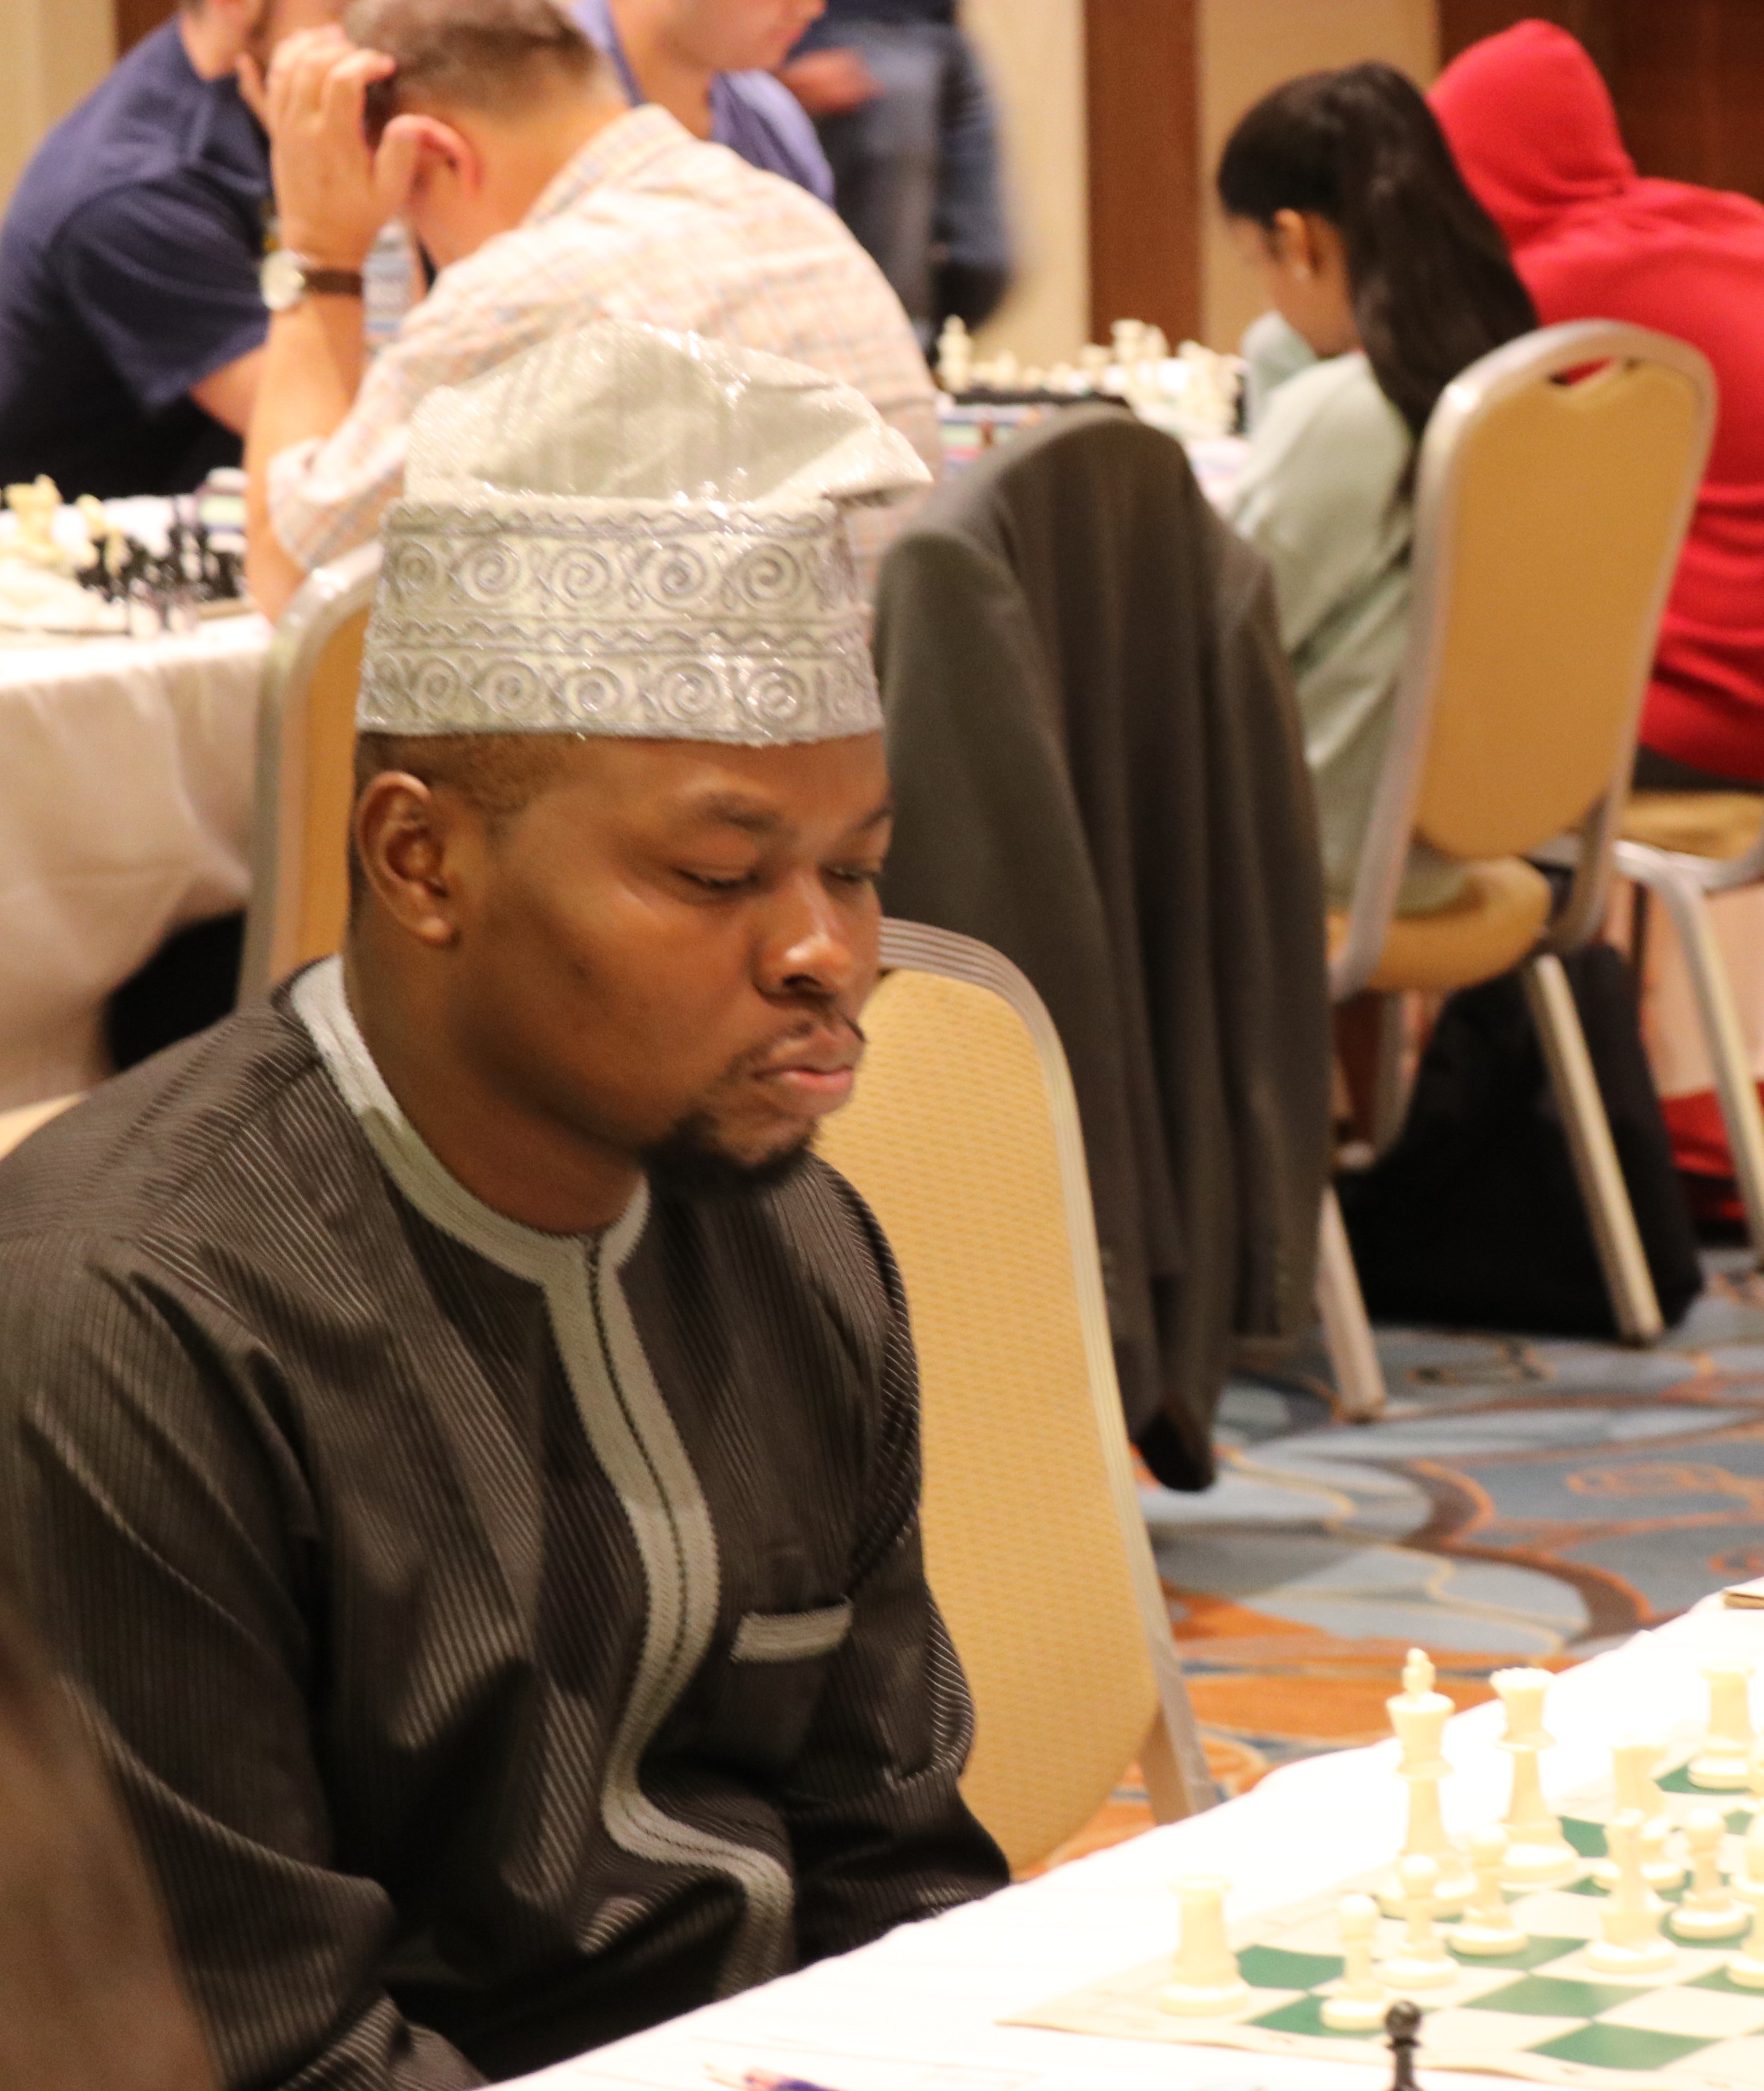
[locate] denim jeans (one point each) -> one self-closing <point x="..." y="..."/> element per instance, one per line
<point x="916" y="171"/>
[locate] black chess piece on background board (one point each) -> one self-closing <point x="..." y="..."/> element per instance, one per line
<point x="1402" y="2027"/>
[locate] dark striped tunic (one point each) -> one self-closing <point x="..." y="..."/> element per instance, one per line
<point x="502" y="1640"/>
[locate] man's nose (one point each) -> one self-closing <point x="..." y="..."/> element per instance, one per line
<point x="810" y="947"/>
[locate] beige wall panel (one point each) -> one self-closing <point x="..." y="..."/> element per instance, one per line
<point x="1248" y="46"/>
<point x="52" y="52"/>
<point x="1034" y="53"/>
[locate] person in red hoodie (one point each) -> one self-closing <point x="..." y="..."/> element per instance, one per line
<point x="1536" y="136"/>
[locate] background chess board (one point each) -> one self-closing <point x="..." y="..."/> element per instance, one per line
<point x="1540" y="2013"/>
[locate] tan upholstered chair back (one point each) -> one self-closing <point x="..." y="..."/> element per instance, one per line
<point x="963" y="1139"/>
<point x="1556" y="481"/>
<point x="306" y="741"/>
<point x="1566" y="503"/>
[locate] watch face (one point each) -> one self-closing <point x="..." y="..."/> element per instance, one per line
<point x="281" y="279"/>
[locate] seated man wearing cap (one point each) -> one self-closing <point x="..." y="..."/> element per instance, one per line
<point x="462" y="1446"/>
<point x="546" y="203"/>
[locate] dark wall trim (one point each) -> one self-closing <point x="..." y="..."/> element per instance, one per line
<point x="1143" y="97"/>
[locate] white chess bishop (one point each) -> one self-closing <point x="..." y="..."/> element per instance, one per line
<point x="1630" y="1941"/>
<point x="1488" y="1927"/>
<point x="1632" y="1763"/>
<point x="1709" y="1909"/>
<point x="1538" y="1856"/>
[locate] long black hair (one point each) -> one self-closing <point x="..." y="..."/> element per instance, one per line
<point x="1432" y="284"/>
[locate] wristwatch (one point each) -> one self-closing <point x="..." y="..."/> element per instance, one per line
<point x="285" y="278"/>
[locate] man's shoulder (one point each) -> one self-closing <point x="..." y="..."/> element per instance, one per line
<point x="208" y="1140"/>
<point x="148" y="125"/>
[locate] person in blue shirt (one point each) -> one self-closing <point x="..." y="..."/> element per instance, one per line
<point x="906" y="118"/>
<point x="709" y="64"/>
<point x="130" y="320"/>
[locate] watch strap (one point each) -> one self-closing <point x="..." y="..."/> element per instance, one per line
<point x="333" y="282"/>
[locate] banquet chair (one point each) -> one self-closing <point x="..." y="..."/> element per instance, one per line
<point x="1687" y="847"/>
<point x="306" y="728"/>
<point x="963" y="1136"/>
<point x="1556" y="480"/>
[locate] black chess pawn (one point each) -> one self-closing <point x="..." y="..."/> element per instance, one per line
<point x="1402" y="2029"/>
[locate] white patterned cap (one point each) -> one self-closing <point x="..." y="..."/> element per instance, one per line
<point x="623" y="531"/>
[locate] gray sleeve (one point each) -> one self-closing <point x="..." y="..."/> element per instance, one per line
<point x="880" y="1833"/>
<point x="168" y="1547"/>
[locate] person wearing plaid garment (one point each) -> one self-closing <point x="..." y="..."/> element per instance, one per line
<point x="546" y="204"/>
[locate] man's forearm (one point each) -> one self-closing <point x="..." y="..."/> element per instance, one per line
<point x="312" y="362"/>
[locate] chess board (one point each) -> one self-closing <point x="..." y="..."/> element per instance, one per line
<point x="1540" y="2014"/>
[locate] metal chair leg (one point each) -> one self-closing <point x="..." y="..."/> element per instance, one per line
<point x="1602" y="1190"/>
<point x="1347" y="1332"/>
<point x="1685" y="901"/>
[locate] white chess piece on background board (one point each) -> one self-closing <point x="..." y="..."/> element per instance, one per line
<point x="1746" y="1967"/>
<point x="1709" y="1909"/>
<point x="1630" y="1942"/>
<point x="1748" y="1883"/>
<point x="1205" y="1981"/>
<point x="1420" y="1960"/>
<point x="1418" y="1717"/>
<point x="1724" y="1765"/>
<point x="1358" y="2000"/>
<point x="1537" y="1853"/>
<point x="1633" y="1762"/>
<point x="1488" y="1927"/>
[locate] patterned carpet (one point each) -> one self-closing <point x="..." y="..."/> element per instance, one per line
<point x="1520" y="1501"/>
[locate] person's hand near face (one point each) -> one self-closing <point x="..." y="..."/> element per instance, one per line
<point x="830" y="82"/>
<point x="334" y="190"/>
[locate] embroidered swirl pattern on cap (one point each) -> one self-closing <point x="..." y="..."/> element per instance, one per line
<point x="666" y="621"/>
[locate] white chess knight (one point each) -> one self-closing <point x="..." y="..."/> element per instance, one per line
<point x="1709" y="1909"/>
<point x="1724" y="1765"/>
<point x="1537" y="1854"/>
<point x="1632" y="1764"/>
<point x="1420" y="1960"/>
<point x="1419" y="1714"/>
<point x="1205" y="1981"/>
<point x="1488" y="1926"/>
<point x="1630" y="1941"/>
<point x="1358" y="2000"/>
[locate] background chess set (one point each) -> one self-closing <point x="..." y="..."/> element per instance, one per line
<point x="1541" y="2012"/>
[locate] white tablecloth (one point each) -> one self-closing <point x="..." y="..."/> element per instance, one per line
<point x="918" y="2011"/>
<point x="126" y="774"/>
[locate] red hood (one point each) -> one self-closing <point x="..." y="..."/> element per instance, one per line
<point x="1533" y="127"/>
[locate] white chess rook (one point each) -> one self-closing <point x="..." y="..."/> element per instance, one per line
<point x="1488" y="1927"/>
<point x="1724" y="1765"/>
<point x="1205" y="1981"/>
<point x="1537" y="1853"/>
<point x="1359" y="2000"/>
<point x="1630" y="1942"/>
<point x="1709" y="1909"/>
<point x="1421" y="1961"/>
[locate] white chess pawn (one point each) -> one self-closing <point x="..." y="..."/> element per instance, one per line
<point x="1420" y="1960"/>
<point x="1632" y="1763"/>
<point x="1488" y="1926"/>
<point x="1710" y="1908"/>
<point x="1205" y="1981"/>
<point x="1537" y="1854"/>
<point x="1357" y="2000"/>
<point x="955" y="356"/>
<point x="1724" y="1765"/>
<point x="1630" y="1941"/>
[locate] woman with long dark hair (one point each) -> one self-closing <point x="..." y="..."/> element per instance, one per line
<point x="1388" y="278"/>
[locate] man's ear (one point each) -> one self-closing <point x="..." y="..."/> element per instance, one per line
<point x="412" y="843"/>
<point x="426" y="145"/>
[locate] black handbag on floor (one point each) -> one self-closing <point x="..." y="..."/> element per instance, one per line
<point x="1473" y="1216"/>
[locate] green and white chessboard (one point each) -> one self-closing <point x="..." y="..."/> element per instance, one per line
<point x="1540" y="2013"/>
